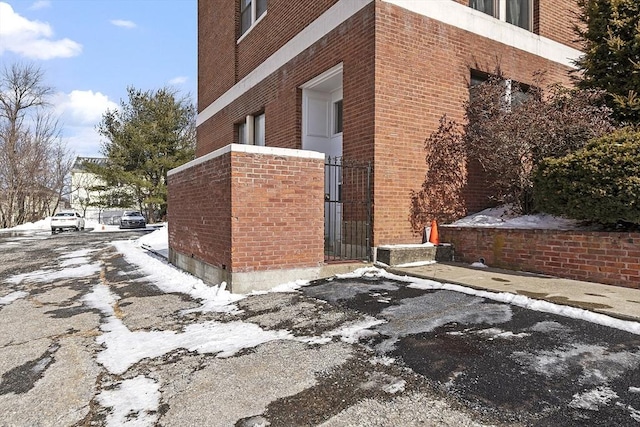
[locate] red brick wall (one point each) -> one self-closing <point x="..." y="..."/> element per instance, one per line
<point x="222" y="61"/>
<point x="422" y="72"/>
<point x="199" y="211"/>
<point x="556" y="21"/>
<point x="278" y="212"/>
<point x="249" y="211"/>
<point x="401" y="72"/>
<point x="284" y="19"/>
<point x="216" y="49"/>
<point x="279" y="96"/>
<point x="611" y="258"/>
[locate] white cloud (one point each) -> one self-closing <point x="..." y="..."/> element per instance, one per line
<point x="123" y="23"/>
<point x="80" y="111"/>
<point x="32" y="39"/>
<point x="83" y="141"/>
<point x="178" y="80"/>
<point x="83" y="107"/>
<point x="40" y="4"/>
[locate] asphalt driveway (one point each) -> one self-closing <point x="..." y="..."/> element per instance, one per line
<point x="510" y="363"/>
<point x="95" y="331"/>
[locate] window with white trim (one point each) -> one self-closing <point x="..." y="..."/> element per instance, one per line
<point x="516" y="12"/>
<point x="250" y="12"/>
<point x="251" y="131"/>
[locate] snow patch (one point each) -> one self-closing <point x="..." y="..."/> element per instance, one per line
<point x="592" y="400"/>
<point x="503" y="217"/>
<point x="479" y="265"/>
<point x="494" y="333"/>
<point x="353" y="332"/>
<point x="123" y="348"/>
<point x="171" y="280"/>
<point x="8" y="299"/>
<point x="599" y="364"/>
<point x="522" y="301"/>
<point x="134" y="402"/>
<point x="52" y="275"/>
<point x="412" y="315"/>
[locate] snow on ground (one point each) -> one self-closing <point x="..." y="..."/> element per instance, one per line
<point x="170" y="279"/>
<point x="49" y="274"/>
<point x="503" y="217"/>
<point x="134" y="402"/>
<point x="504" y="297"/>
<point x="45" y="225"/>
<point x="122" y="348"/>
<point x="8" y="299"/>
<point x="593" y="399"/>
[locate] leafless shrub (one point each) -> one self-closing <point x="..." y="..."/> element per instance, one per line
<point x="441" y="194"/>
<point x="509" y="129"/>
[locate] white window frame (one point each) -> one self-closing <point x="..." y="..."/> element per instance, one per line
<point x="500" y="12"/>
<point x="254" y="18"/>
<point x="252" y="130"/>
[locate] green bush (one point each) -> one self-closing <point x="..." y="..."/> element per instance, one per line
<point x="599" y="183"/>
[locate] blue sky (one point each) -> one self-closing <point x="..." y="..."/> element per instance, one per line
<point x="91" y="50"/>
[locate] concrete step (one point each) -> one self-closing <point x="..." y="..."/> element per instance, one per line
<point x="399" y="255"/>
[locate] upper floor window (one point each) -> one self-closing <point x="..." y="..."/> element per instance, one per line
<point x="250" y="12"/>
<point x="516" y="12"/>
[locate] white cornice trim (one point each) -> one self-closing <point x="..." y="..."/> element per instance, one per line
<point x="327" y="22"/>
<point x="251" y="149"/>
<point x="468" y="19"/>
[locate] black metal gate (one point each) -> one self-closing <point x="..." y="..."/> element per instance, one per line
<point x="347" y="210"/>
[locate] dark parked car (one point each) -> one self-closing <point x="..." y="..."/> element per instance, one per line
<point x="132" y="219"/>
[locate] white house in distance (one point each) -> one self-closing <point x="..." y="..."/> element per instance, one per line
<point x="84" y="196"/>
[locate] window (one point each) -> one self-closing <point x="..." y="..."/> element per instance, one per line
<point x="486" y="6"/>
<point x="515" y="93"/>
<point x="250" y="12"/>
<point x="251" y="131"/>
<point x="337" y="117"/>
<point x="516" y="12"/>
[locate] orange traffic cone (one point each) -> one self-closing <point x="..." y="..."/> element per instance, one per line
<point x="433" y="236"/>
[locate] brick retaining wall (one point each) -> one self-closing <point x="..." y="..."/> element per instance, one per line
<point x="604" y="257"/>
<point x="243" y="210"/>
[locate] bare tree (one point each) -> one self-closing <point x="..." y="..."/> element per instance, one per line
<point x="33" y="160"/>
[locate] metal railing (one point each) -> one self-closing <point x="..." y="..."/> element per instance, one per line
<point x="347" y="210"/>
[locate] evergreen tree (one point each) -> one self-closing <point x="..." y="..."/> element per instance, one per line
<point x="610" y="31"/>
<point x="151" y="133"/>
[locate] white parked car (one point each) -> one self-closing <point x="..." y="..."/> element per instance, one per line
<point x="132" y="219"/>
<point x="67" y="220"/>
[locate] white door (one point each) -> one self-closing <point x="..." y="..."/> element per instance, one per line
<point x="322" y="132"/>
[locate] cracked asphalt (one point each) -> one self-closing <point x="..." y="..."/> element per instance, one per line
<point x="428" y="358"/>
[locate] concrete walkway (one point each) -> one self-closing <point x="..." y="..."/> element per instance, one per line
<point x="615" y="301"/>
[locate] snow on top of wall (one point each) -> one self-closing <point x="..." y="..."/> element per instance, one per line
<point x="503" y="217"/>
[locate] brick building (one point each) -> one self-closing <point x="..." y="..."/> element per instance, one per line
<point x="362" y="80"/>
